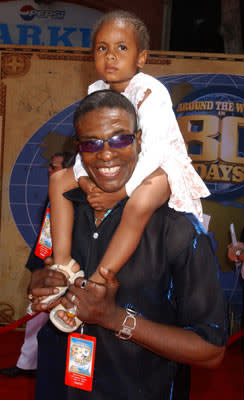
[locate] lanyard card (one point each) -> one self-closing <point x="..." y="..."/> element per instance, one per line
<point x="80" y="361"/>
<point x="44" y="244"/>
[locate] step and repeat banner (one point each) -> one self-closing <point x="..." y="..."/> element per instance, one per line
<point x="39" y="89"/>
<point x="41" y="24"/>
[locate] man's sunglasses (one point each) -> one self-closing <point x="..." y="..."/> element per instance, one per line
<point x="115" y="142"/>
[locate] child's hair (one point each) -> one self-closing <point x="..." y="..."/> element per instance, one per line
<point x="104" y="99"/>
<point x="140" y="29"/>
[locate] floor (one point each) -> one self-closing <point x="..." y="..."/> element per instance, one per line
<point x="224" y="383"/>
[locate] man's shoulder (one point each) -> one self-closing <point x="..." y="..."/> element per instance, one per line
<point x="188" y="221"/>
<point x="180" y="229"/>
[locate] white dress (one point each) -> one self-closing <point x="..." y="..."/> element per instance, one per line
<point x="162" y="145"/>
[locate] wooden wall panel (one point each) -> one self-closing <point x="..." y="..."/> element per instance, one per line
<point x="36" y="84"/>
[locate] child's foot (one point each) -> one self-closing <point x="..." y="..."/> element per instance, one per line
<point x="71" y="271"/>
<point x="97" y="278"/>
<point x="64" y="320"/>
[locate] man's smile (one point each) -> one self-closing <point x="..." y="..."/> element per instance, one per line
<point x="109" y="171"/>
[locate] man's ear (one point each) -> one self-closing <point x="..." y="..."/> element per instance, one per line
<point x="142" y="58"/>
<point x="138" y="140"/>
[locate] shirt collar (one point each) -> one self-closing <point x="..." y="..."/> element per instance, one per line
<point x="76" y="196"/>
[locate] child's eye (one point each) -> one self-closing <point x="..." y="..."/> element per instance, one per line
<point x="101" y="48"/>
<point x="122" y="47"/>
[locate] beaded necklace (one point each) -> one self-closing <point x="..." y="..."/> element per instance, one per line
<point x="104" y="216"/>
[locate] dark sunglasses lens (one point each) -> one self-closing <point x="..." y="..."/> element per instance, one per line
<point x="90" y="146"/>
<point x="121" y="141"/>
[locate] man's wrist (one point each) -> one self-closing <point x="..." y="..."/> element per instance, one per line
<point x="115" y="319"/>
<point x="128" y="325"/>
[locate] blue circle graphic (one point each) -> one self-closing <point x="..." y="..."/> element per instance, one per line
<point x="28" y="187"/>
<point x="29" y="179"/>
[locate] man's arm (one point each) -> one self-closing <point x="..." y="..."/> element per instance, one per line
<point x="96" y="305"/>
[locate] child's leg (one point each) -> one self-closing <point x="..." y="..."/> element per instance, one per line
<point x="150" y="195"/>
<point x="62" y="214"/>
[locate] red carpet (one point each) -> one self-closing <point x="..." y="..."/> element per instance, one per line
<point x="17" y="388"/>
<point x="224" y="383"/>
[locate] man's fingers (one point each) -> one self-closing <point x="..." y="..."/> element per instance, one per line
<point x="55" y="278"/>
<point x="48" y="261"/>
<point x="66" y="303"/>
<point x="43" y="292"/>
<point x="39" y="307"/>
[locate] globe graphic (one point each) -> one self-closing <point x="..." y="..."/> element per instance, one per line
<point x="28" y="188"/>
<point x="28" y="185"/>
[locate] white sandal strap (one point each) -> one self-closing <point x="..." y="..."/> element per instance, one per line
<point x="62" y="289"/>
<point x="59" y="323"/>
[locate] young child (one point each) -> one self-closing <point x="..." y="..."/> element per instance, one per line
<point x="120" y="43"/>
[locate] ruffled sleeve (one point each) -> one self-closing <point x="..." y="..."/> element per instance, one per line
<point x="163" y="146"/>
<point x="78" y="168"/>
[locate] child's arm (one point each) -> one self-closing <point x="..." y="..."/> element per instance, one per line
<point x="149" y="196"/>
<point x="100" y="200"/>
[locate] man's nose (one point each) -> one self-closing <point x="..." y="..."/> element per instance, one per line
<point x="107" y="153"/>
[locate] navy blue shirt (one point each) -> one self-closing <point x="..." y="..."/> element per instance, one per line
<point x="171" y="279"/>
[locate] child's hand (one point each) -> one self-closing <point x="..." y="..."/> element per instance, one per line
<point x="86" y="184"/>
<point x="104" y="200"/>
<point x="97" y="278"/>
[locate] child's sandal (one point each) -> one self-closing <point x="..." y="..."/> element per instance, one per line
<point x="59" y="323"/>
<point x="62" y="289"/>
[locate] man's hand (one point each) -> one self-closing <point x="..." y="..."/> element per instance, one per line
<point x="236" y="253"/>
<point x="95" y="303"/>
<point x="43" y="283"/>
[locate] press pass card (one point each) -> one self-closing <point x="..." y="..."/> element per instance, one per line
<point x="44" y="244"/>
<point x="80" y="361"/>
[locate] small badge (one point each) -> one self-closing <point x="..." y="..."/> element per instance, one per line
<point x="80" y="361"/>
<point x="44" y="244"/>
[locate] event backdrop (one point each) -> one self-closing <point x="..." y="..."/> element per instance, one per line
<point x="39" y="90"/>
<point x="56" y="24"/>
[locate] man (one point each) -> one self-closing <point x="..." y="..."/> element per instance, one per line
<point x="27" y="362"/>
<point x="59" y="161"/>
<point x="236" y="254"/>
<point x="163" y="309"/>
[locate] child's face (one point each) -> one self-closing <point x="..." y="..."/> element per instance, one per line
<point x="117" y="58"/>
